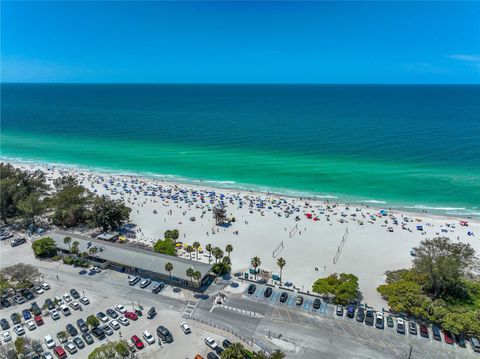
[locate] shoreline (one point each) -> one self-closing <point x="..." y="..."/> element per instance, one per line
<point x="234" y="187"/>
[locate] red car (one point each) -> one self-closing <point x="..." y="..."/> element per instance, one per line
<point x="448" y="337"/>
<point x="59" y="352"/>
<point x="131" y="315"/>
<point x="38" y="320"/>
<point x="138" y="343"/>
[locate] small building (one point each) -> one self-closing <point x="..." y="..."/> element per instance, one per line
<point x="136" y="261"/>
<point x="109" y="236"/>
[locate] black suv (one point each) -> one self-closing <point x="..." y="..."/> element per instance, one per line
<point x="151" y="313"/>
<point x="112" y="313"/>
<point x="88" y="338"/>
<point x="283" y="297"/>
<point x="251" y="288"/>
<point x="4" y="323"/>
<point x="268" y="292"/>
<point x="369" y="318"/>
<point x="82" y="325"/>
<point x="164" y="334"/>
<point x="71" y="330"/>
<point x="317" y="303"/>
<point x="27" y="294"/>
<point x="50" y="304"/>
<point x="74" y="293"/>
<point x="99" y="333"/>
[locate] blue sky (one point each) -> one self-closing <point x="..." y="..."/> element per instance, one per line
<point x="241" y="42"/>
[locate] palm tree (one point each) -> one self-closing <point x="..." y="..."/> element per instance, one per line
<point x="67" y="241"/>
<point x="74" y="249"/>
<point x="234" y="351"/>
<point x="229" y="249"/>
<point x="217" y="253"/>
<point x="197" y="276"/>
<point x="281" y="263"/>
<point x="226" y="261"/>
<point x="208" y="248"/>
<point x="189" y="250"/>
<point x="196" y="245"/>
<point x="92" y="251"/>
<point x="256" y="262"/>
<point x="84" y="255"/>
<point x="169" y="268"/>
<point x="190" y="272"/>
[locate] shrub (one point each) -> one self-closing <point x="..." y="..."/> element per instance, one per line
<point x="166" y="246"/>
<point x="68" y="260"/>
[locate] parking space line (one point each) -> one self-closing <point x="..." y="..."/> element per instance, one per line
<point x="307" y="305"/>
<point x="274" y="297"/>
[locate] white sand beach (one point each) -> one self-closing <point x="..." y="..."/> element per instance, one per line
<point x="374" y="242"/>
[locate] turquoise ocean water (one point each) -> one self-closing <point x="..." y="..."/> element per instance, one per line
<point x="414" y="147"/>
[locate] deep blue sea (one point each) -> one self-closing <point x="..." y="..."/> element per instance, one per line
<point x="415" y="147"/>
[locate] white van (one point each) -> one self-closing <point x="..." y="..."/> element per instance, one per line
<point x="49" y="342"/>
<point x="134" y="280"/>
<point x="65" y="310"/>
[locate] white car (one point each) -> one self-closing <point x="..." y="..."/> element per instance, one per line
<point x="186" y="329"/>
<point x="45" y="286"/>
<point x="75" y="305"/>
<point x="67" y="297"/>
<point x="211" y="343"/>
<point x="49" y="342"/>
<point x="59" y="301"/>
<point x="71" y="348"/>
<point x="84" y="301"/>
<point x="38" y="290"/>
<point x="30" y="325"/>
<point x="18" y="329"/>
<point x="148" y="337"/>
<point x="123" y="321"/>
<point x="47" y="355"/>
<point x="54" y="314"/>
<point x="6" y="336"/>
<point x="114" y="324"/>
<point x="120" y="308"/>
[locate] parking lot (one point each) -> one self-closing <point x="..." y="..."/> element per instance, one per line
<point x="104" y="290"/>
<point x="305" y="315"/>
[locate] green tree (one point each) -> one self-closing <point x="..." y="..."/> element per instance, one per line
<point x="74" y="249"/>
<point x="255" y="263"/>
<point x="217" y="253"/>
<point x="169" y="268"/>
<point x="444" y="263"/>
<point x="31" y="207"/>
<point x="93" y="321"/>
<point x="5" y="284"/>
<point x="197" y="276"/>
<point x="281" y="263"/>
<point x="229" y="249"/>
<point x="67" y="241"/>
<point x="166" y="246"/>
<point x="190" y="272"/>
<point x="20" y="345"/>
<point x="208" y="248"/>
<point x="21" y="274"/>
<point x="93" y="251"/>
<point x="44" y="247"/>
<point x="121" y="347"/>
<point x="343" y="288"/>
<point x="226" y="261"/>
<point x="172" y="234"/>
<point x="234" y="351"/>
<point x="109" y="214"/>
<point x="196" y="246"/>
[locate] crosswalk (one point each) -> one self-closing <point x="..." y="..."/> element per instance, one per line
<point x="189" y="309"/>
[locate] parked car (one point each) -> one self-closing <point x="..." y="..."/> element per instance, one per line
<point x="424" y="331"/>
<point x="16" y="319"/>
<point x="49" y="342"/>
<point x="17" y="241"/>
<point x="145" y="283"/>
<point x="6" y="337"/>
<point x="74" y="293"/>
<point x="412" y="328"/>
<point x="437" y="335"/>
<point x="400" y="326"/>
<point x="38" y="320"/>
<point x="158" y="287"/>
<point x="226" y="343"/>
<point x="84" y="301"/>
<point x="35" y="309"/>
<point x="54" y="314"/>
<point x="475" y="344"/>
<point x="317" y="303"/>
<point x="123" y="321"/>
<point x="148" y="337"/>
<point x="390" y="322"/>
<point x="186" y="329"/>
<point x="111" y="313"/>
<point x="71" y="330"/>
<point x="134" y="280"/>
<point x="5" y="303"/>
<point x="87" y="337"/>
<point x="131" y="315"/>
<point x="71" y="348"/>
<point x="62" y="337"/>
<point x="120" y="308"/>
<point x="369" y="317"/>
<point x="151" y="313"/>
<point x="448" y="337"/>
<point x="45" y="286"/>
<point x="82" y="326"/>
<point x="30" y="325"/>
<point x="99" y="333"/>
<point x="460" y="340"/>
<point x="283" y="297"/>
<point x="339" y="310"/>
<point x="212" y="355"/>
<point x="102" y="317"/>
<point x="137" y="342"/>
<point x="37" y="348"/>
<point x="107" y="329"/>
<point x="49" y="303"/>
<point x="268" y="292"/>
<point x="65" y="310"/>
<point x="59" y="352"/>
<point x="26" y="294"/>
<point x="38" y="290"/>
<point x="4" y="323"/>
<point x="114" y="324"/>
<point x="78" y="342"/>
<point x="379" y="324"/>
<point x="164" y="334"/>
<point x="67" y="297"/>
<point x="26" y="314"/>
<point x="350" y="311"/>
<point x="251" y="289"/>
<point x="299" y="300"/>
<point x="360" y="315"/>
<point x="211" y="343"/>
<point x="18" y="329"/>
<point x="47" y="355"/>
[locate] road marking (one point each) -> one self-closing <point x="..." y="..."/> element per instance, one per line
<point x="190" y="308"/>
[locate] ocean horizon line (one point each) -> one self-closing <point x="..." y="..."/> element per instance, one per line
<point x="241" y="83"/>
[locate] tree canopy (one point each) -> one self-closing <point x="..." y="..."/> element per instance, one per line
<point x="166" y="246"/>
<point x="44" y="247"/>
<point x="21" y="275"/>
<point x="343" y="288"/>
